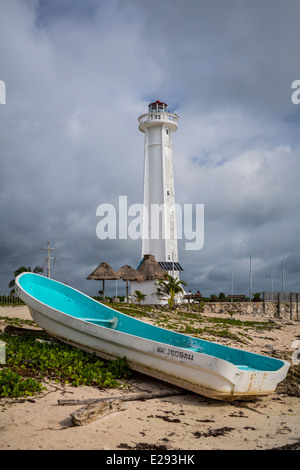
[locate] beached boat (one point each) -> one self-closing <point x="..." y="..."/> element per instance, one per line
<point x="204" y="367"/>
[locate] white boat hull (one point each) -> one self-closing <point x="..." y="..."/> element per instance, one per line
<point x="184" y="367"/>
<point x="205" y="375"/>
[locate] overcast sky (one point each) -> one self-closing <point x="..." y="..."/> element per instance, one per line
<point x="78" y="73"/>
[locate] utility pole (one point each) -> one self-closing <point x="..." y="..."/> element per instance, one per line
<point x="49" y="257"/>
<point x="250" y="280"/>
<point x="271" y="279"/>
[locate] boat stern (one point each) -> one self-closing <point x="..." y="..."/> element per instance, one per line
<point x="254" y="383"/>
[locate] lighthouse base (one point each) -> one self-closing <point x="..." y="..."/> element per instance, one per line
<point x="149" y="288"/>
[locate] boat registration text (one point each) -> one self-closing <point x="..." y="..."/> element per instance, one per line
<point x="175" y="353"/>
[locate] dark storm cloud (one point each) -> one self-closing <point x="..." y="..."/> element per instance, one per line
<point x="79" y="73"/>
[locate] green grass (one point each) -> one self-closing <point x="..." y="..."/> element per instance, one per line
<point x="30" y="362"/>
<point x="17" y="321"/>
<point x="133" y="310"/>
<point x="196" y="324"/>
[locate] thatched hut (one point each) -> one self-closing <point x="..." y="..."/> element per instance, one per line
<point x="151" y="271"/>
<point x="103" y="273"/>
<point x="127" y="273"/>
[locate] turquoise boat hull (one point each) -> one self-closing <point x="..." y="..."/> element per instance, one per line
<point x="208" y="368"/>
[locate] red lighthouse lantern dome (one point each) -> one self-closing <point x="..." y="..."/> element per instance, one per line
<point x="158" y="106"/>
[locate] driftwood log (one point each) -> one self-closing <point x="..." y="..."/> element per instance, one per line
<point x="96" y="408"/>
<point x="131" y="397"/>
<point x="20" y="331"/>
<point x="94" y="411"/>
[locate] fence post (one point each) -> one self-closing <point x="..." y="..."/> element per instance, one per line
<point x="291" y="306"/>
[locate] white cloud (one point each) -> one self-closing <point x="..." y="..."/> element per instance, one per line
<point x="78" y="75"/>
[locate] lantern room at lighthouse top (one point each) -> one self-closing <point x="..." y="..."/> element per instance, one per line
<point x="158" y="106"/>
<point x="158" y="114"/>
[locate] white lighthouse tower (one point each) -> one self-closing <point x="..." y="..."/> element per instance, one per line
<point x="159" y="234"/>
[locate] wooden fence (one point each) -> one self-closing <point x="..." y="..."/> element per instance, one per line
<point x="283" y="297"/>
<point x="10" y="300"/>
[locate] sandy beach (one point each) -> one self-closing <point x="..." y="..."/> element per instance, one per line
<point x="180" y="422"/>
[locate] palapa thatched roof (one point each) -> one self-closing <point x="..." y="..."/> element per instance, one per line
<point x="103" y="272"/>
<point x="127" y="273"/>
<point x="150" y="268"/>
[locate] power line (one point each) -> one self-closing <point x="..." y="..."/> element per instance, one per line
<point x="18" y="257"/>
<point x="56" y="264"/>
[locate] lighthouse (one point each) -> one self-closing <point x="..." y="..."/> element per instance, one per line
<point x="159" y="234"/>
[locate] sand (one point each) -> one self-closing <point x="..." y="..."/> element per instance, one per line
<point x="182" y="422"/>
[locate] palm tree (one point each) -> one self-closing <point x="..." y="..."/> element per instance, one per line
<point x="169" y="287"/>
<point x="139" y="296"/>
<point x="23" y="269"/>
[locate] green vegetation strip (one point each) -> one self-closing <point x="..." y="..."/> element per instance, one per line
<point x="195" y="324"/>
<point x="200" y="326"/>
<point x="17" y="321"/>
<point x="29" y="362"/>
